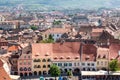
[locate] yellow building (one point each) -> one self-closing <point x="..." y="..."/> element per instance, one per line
<point x="102" y="58"/>
<point x="41" y="56"/>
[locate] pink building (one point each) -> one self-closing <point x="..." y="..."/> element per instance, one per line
<point x="25" y="62"/>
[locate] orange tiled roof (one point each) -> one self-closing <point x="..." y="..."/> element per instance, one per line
<point x="13" y="48"/>
<point x="40" y="50"/>
<point x="89" y="52"/>
<point x="67" y="50"/>
<point x="114" y="50"/>
<point x="3" y="73"/>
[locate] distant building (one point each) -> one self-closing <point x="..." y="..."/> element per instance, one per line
<point x="55" y="32"/>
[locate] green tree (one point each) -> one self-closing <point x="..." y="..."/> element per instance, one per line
<point x="69" y="74"/>
<point x="114" y="65"/>
<point x="54" y="71"/>
<point x="49" y="40"/>
<point x="50" y="37"/>
<point x="56" y="22"/>
<point x="33" y="27"/>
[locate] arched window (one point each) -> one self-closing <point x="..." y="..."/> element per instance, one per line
<point x="44" y="66"/>
<point x="39" y="72"/>
<point x="29" y="69"/>
<point x="35" y="66"/>
<point x="48" y="66"/>
<point x="38" y="60"/>
<point x="25" y="69"/>
<point x="43" y="60"/>
<point x="104" y="56"/>
<point x="39" y="66"/>
<point x="21" y="69"/>
<point x="48" y="60"/>
<point x="35" y="60"/>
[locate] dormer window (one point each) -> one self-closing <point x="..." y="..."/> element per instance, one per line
<point x="61" y="57"/>
<point x="87" y="57"/>
<point x="37" y="54"/>
<point x="28" y="52"/>
<point x="99" y="56"/>
<point x="77" y="57"/>
<point x="68" y="57"/>
<point x="43" y="60"/>
<point x="49" y="60"/>
<point x="55" y="57"/>
<point x="112" y="58"/>
<point x="104" y="56"/>
<point x="47" y="54"/>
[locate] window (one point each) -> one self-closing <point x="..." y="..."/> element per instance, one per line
<point x="74" y="64"/>
<point x="48" y="66"/>
<point x="38" y="60"/>
<point x="21" y="69"/>
<point x="78" y="64"/>
<point x="55" y="63"/>
<point x="57" y="35"/>
<point x="43" y="60"/>
<point x="28" y="57"/>
<point x="25" y="69"/>
<point x="35" y="66"/>
<point x="70" y="64"/>
<point x="35" y="60"/>
<point x="65" y="64"/>
<point x="48" y="60"/>
<point x="83" y="64"/>
<point x="59" y="64"/>
<point x="44" y="66"/>
<point x="29" y="63"/>
<point x="39" y="66"/>
<point x="29" y="69"/>
<point x="98" y="63"/>
<point x="101" y="62"/>
<point x="92" y="64"/>
<point x="88" y="64"/>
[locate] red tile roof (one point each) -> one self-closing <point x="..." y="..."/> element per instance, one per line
<point x="114" y="49"/>
<point x="41" y="50"/>
<point x="65" y="51"/>
<point x="89" y="52"/>
<point x="3" y="73"/>
<point x="13" y="48"/>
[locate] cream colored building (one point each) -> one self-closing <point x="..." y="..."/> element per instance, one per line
<point x="102" y="58"/>
<point x="41" y="58"/>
